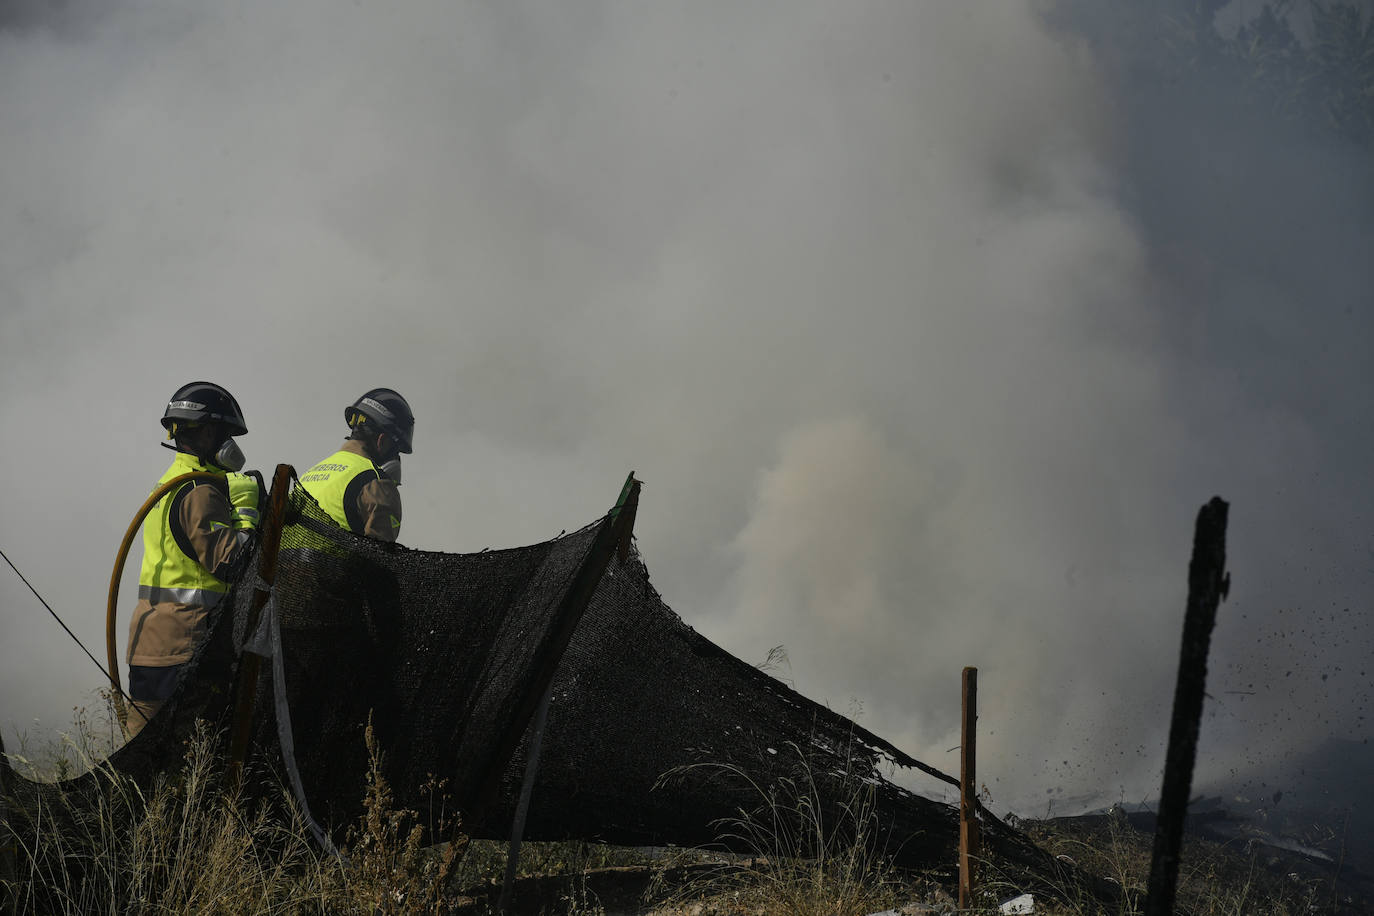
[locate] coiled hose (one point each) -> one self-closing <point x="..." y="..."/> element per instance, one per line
<point x="116" y="692"/>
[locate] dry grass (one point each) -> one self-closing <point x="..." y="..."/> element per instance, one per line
<point x="811" y="847"/>
<point x="1214" y="879"/>
<point x="191" y="845"/>
<point x="194" y="844"/>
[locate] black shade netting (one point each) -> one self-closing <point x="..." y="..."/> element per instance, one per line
<point x="438" y="651"/>
<point x="657" y="736"/>
<point x="654" y="735"/>
<point x="435" y="650"/>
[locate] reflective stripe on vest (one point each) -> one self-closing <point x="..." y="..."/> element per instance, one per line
<point x="168" y="561"/>
<point x="197" y="596"/>
<point x="335" y="483"/>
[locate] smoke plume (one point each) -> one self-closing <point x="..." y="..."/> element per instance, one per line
<point x="928" y="326"/>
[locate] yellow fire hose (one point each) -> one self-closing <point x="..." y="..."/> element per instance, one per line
<point x="116" y="692"/>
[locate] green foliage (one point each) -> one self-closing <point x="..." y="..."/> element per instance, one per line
<point x="1321" y="74"/>
<point x="1326" y="78"/>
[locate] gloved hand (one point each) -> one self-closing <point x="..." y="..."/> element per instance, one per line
<point x="246" y="497"/>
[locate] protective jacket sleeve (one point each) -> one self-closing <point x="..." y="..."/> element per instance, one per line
<point x="206" y="521"/>
<point x="379" y="506"/>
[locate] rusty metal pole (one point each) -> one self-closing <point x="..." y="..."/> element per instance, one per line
<point x="1208" y="584"/>
<point x="968" y="793"/>
<point x="248" y="662"/>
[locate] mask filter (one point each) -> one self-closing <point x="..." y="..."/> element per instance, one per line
<point x="392" y="469"/>
<point x="229" y="457"/>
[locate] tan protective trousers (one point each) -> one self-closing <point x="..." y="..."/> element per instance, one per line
<point x="140" y="713"/>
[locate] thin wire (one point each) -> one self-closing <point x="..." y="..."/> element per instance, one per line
<point x="59" y="620"/>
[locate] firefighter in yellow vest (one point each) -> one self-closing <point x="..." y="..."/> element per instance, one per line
<point x="195" y="540"/>
<point x="358" y="485"/>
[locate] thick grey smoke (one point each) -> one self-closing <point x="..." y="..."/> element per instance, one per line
<point x="928" y="329"/>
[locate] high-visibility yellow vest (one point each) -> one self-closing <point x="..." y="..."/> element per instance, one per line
<point x="335" y="484"/>
<point x="171" y="572"/>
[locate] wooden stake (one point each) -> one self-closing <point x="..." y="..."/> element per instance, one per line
<point x="1208" y="583"/>
<point x="249" y="663"/>
<point x="968" y="793"/>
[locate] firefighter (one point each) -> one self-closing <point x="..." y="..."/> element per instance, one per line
<point x="357" y="485"/>
<point x="195" y="541"/>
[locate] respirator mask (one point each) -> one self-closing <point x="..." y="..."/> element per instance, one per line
<point x="390" y="466"/>
<point x="392" y="469"/>
<point x="229" y="457"/>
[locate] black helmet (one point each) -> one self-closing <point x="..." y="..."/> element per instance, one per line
<point x="205" y="402"/>
<point x="388" y="411"/>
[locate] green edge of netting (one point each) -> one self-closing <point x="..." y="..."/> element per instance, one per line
<point x="624" y="494"/>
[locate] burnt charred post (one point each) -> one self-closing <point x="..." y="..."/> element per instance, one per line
<point x="1208" y="584"/>
<point x="968" y="793"/>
